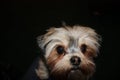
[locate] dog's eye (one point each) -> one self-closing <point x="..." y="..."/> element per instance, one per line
<point x="83" y="48"/>
<point x="60" y="50"/>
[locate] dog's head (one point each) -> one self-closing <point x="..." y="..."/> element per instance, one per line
<point x="69" y="52"/>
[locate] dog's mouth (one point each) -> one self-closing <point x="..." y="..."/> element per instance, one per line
<point x="75" y="74"/>
<point x="75" y="71"/>
<point x="74" y="68"/>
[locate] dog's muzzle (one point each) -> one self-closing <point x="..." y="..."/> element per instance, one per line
<point x="75" y="72"/>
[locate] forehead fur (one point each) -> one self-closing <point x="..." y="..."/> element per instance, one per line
<point x="75" y="31"/>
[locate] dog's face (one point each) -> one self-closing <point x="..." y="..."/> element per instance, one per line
<point x="69" y="52"/>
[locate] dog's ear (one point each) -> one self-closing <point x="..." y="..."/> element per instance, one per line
<point x="42" y="69"/>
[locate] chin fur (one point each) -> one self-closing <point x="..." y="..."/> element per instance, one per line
<point x="69" y="53"/>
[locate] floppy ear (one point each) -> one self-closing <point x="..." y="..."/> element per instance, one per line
<point x="42" y="69"/>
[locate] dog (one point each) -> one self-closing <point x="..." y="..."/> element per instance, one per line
<point x="68" y="53"/>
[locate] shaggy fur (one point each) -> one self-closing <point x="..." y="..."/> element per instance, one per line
<point x="68" y="53"/>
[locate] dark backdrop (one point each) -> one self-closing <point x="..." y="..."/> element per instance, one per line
<point x="23" y="21"/>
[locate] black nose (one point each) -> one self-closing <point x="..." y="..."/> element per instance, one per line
<point x="75" y="60"/>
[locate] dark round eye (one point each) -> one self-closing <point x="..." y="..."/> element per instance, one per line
<point x="83" y="48"/>
<point x="60" y="50"/>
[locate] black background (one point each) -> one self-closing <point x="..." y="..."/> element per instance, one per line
<point x="23" y="21"/>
